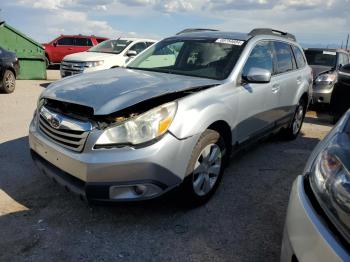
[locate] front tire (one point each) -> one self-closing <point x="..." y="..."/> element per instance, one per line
<point x="8" y="82"/>
<point x="294" y="128"/>
<point x="205" y="169"/>
<point x="47" y="62"/>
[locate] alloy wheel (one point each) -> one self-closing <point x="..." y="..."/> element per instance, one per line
<point x="207" y="169"/>
<point x="9" y="81"/>
<point x="298" y="119"/>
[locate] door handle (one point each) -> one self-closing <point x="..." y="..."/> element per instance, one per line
<point x="275" y="88"/>
<point x="70" y="48"/>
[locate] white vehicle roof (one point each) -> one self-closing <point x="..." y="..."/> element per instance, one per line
<point x="136" y="39"/>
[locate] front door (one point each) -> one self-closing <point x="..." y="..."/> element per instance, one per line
<point x="64" y="46"/>
<point x="256" y="101"/>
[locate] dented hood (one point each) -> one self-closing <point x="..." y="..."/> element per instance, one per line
<point x="111" y="90"/>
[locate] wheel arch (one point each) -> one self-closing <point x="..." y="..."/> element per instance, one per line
<point x="224" y="129"/>
<point x="305" y="97"/>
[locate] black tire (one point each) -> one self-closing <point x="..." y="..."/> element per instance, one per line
<point x="292" y="132"/>
<point x="47" y="62"/>
<point x="339" y="102"/>
<point x="189" y="195"/>
<point x="8" y="82"/>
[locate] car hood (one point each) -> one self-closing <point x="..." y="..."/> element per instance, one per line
<point x="111" y="90"/>
<point x="317" y="69"/>
<point x="88" y="56"/>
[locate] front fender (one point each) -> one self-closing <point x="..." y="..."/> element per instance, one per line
<point x="195" y="114"/>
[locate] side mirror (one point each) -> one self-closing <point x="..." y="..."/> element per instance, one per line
<point x="54" y="44"/>
<point x="131" y="53"/>
<point x="258" y="76"/>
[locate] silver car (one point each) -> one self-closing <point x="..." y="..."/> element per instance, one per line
<point x="172" y="117"/>
<point x="317" y="227"/>
<point x="325" y="64"/>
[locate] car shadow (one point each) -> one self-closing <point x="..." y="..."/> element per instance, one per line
<point x="45" y="85"/>
<point x="254" y="191"/>
<point x="319" y="121"/>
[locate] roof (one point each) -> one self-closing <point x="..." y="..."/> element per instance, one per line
<point x="136" y="39"/>
<point x="339" y="50"/>
<point x="199" y="33"/>
<point x="3" y="23"/>
<point x="212" y="35"/>
<point x="79" y="35"/>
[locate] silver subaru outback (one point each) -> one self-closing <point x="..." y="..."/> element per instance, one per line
<point x="172" y="117"/>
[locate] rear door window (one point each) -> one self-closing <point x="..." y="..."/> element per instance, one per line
<point x="66" y="41"/>
<point x="260" y="57"/>
<point x="83" y="42"/>
<point x="284" y="57"/>
<point x="299" y="57"/>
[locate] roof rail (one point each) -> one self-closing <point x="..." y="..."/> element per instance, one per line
<point x="269" y="31"/>
<point x="190" y="30"/>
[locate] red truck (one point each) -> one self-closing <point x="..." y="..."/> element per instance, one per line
<point x="64" y="45"/>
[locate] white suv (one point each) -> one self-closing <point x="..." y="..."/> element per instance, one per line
<point x="106" y="55"/>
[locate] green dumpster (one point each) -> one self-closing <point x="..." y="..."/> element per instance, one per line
<point x="31" y="55"/>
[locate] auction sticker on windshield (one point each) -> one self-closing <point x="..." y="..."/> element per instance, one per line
<point x="229" y="41"/>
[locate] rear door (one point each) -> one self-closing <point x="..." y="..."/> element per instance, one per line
<point x="81" y="44"/>
<point x="286" y="80"/>
<point x="256" y="101"/>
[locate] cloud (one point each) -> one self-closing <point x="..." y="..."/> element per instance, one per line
<point x="310" y="20"/>
<point x="169" y="6"/>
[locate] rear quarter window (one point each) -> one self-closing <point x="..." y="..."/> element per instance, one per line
<point x="100" y="40"/>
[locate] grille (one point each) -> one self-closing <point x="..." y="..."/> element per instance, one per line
<point x="66" y="132"/>
<point x="72" y="68"/>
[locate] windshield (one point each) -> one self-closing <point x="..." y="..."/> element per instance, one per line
<point x="213" y="58"/>
<point x="111" y="46"/>
<point x="322" y="58"/>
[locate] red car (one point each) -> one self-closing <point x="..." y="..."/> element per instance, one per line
<point x="69" y="44"/>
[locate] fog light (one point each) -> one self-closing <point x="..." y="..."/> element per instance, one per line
<point x="130" y="192"/>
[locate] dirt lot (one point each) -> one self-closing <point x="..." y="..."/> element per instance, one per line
<point x="40" y="221"/>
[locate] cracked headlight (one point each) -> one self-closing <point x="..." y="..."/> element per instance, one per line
<point x="94" y="63"/>
<point x="141" y="129"/>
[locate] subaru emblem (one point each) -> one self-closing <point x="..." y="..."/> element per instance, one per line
<point x="55" y="122"/>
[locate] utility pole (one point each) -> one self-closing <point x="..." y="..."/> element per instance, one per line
<point x="341" y="44"/>
<point x="347" y="42"/>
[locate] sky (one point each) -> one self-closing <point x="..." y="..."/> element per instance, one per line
<point x="314" y="22"/>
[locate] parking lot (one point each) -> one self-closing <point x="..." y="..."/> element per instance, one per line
<point x="243" y="221"/>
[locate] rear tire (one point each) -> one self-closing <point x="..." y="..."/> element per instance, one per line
<point x="8" y="82"/>
<point x="294" y="128"/>
<point x="204" y="170"/>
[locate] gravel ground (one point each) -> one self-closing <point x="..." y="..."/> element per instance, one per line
<point x="40" y="221"/>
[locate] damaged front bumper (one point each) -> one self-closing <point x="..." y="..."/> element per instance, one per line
<point x="117" y="174"/>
